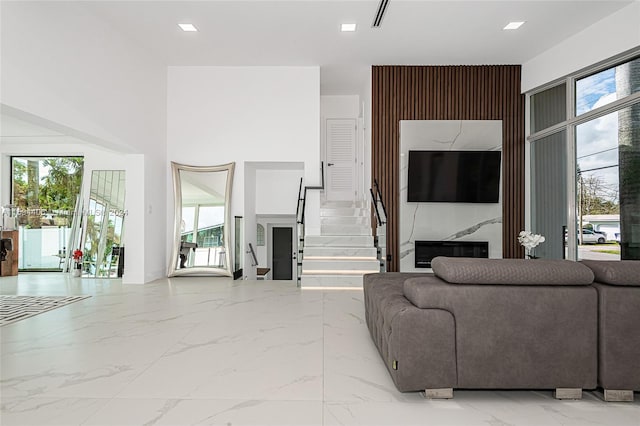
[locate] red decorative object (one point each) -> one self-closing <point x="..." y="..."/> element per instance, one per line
<point x="77" y="255"/>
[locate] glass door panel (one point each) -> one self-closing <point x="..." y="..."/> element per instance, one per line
<point x="549" y="194"/>
<point x="44" y="190"/>
<point x="608" y="186"/>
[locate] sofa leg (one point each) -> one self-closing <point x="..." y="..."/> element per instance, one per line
<point x="614" y="395"/>
<point x="568" y="393"/>
<point x="443" y="393"/>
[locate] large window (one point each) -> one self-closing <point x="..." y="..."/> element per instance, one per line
<point x="45" y="191"/>
<point x="606" y="86"/>
<point x="585" y="165"/>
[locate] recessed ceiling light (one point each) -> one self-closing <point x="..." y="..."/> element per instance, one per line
<point x="188" y="27"/>
<point x="348" y="27"/>
<point x="513" y="25"/>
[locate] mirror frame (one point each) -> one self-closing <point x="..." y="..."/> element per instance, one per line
<point x="177" y="217"/>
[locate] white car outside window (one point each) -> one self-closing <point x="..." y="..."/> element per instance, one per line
<point x="590" y="237"/>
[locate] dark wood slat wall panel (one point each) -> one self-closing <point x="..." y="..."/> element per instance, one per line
<point x="487" y="92"/>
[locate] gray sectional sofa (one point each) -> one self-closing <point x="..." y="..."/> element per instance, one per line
<point x="618" y="286"/>
<point x="498" y="324"/>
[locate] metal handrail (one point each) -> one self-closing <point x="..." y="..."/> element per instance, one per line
<point x="384" y="209"/>
<point x="254" y="258"/>
<point x="304" y="197"/>
<point x="375" y="205"/>
<point x="298" y="203"/>
<point x="300" y="217"/>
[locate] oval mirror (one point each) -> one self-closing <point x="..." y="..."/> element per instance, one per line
<point x="202" y="197"/>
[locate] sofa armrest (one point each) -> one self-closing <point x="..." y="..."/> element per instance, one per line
<point x="416" y="345"/>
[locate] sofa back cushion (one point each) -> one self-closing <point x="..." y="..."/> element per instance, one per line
<point x="461" y="270"/>
<point x="615" y="272"/>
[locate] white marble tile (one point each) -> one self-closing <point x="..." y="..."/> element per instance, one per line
<point x="346" y="220"/>
<point x="339" y="240"/>
<point x="93" y="360"/>
<point x="207" y="351"/>
<point x="343" y="211"/>
<point x="353" y="368"/>
<point x="342" y="229"/>
<point x="340" y="251"/>
<point x="208" y="412"/>
<point x="372" y="265"/>
<point x="327" y="204"/>
<point x="48" y="411"/>
<point x="481" y="408"/>
<point x="262" y="364"/>
<point x="256" y="348"/>
<point x="446" y="221"/>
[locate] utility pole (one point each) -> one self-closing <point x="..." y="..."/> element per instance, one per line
<point x="580" y="207"/>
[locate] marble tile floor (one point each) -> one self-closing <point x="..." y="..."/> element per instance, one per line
<point x="213" y="351"/>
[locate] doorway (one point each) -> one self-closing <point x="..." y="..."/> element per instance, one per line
<point x="282" y="262"/>
<point x="44" y="191"/>
<point x="342" y="163"/>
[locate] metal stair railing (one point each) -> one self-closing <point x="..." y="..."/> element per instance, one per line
<point x="381" y="219"/>
<point x="300" y="216"/>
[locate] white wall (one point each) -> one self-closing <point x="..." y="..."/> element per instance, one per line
<point x="249" y="223"/>
<point x="218" y="115"/>
<point x="612" y="35"/>
<point x="366" y="124"/>
<point x="347" y="106"/>
<point x="447" y="221"/>
<point x="72" y="70"/>
<point x="96" y="158"/>
<point x="277" y="191"/>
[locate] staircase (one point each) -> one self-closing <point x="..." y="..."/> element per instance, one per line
<point x="344" y="251"/>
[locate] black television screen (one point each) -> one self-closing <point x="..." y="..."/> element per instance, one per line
<point x="454" y="176"/>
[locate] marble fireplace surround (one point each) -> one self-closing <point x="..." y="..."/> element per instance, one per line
<point x="447" y="221"/>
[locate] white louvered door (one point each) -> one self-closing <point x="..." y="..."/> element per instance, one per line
<point x="341" y="159"/>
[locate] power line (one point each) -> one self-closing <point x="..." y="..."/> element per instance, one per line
<point x="599" y="152"/>
<point x="598" y="168"/>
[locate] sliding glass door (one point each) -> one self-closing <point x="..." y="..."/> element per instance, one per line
<point x="44" y="190"/>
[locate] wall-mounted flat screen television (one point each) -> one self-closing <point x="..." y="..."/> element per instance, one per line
<point x="454" y="176"/>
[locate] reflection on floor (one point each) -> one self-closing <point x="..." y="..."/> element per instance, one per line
<point x="216" y="351"/>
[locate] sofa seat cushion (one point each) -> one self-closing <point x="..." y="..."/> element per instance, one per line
<point x="461" y="270"/>
<point x="615" y="272"/>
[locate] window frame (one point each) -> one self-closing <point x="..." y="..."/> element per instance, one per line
<point x="570" y="125"/>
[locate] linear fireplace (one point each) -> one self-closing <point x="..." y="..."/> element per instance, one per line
<point x="427" y="250"/>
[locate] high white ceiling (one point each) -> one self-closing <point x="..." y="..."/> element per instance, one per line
<point x="307" y="32"/>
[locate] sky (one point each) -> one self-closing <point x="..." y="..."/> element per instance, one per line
<point x="209" y="216"/>
<point x="597" y="140"/>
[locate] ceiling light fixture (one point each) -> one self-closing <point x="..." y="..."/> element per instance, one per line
<point x="382" y="9"/>
<point x="513" y="25"/>
<point x="188" y="27"/>
<point x="348" y="28"/>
